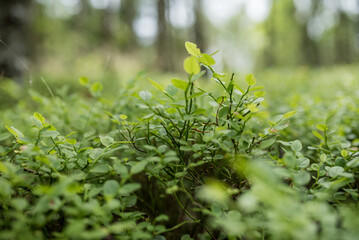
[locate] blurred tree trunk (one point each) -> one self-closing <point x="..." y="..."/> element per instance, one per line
<point x="14" y="37"/>
<point x="342" y="39"/>
<point x="164" y="39"/>
<point x="199" y="26"/>
<point x="128" y="14"/>
<point x="106" y="31"/>
<point x="268" y="59"/>
<point x="310" y="48"/>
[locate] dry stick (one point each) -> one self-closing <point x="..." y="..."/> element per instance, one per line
<point x="131" y="142"/>
<point x="193" y="218"/>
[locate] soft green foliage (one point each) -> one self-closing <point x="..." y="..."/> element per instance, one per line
<point x="179" y="161"/>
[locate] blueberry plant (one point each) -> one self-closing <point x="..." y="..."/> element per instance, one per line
<point x="180" y="162"/>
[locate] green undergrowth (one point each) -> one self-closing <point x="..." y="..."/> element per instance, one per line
<point x="182" y="160"/>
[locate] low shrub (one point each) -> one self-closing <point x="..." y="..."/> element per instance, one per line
<point x="179" y="163"/>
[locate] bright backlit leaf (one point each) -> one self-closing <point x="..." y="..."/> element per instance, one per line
<point x="192" y="49"/>
<point x="157" y="85"/>
<point x="251" y="81"/>
<point x="191" y="65"/>
<point x="289" y="114"/>
<point x="179" y="84"/>
<point x="207" y="59"/>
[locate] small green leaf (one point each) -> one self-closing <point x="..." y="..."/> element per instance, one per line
<point x="19" y="203"/>
<point x="218" y="75"/>
<point x="96" y="87"/>
<point x="138" y="167"/>
<point x="186" y="237"/>
<point x="14" y="132"/>
<point x="179" y="83"/>
<point x="83" y="81"/>
<point x="107" y="140"/>
<point x="71" y="141"/>
<point x="162" y="218"/>
<point x="129" y="188"/>
<point x="259" y="94"/>
<point x="344" y="153"/>
<point x="252" y="107"/>
<point x="251" y="81"/>
<point x="256" y="88"/>
<point x="322" y="127"/>
<point x="123" y="116"/>
<point x="296" y="146"/>
<point x="171" y="90"/>
<point x="207" y="59"/>
<point x="301" y="178"/>
<point x="303" y="162"/>
<point x="101" y="168"/>
<point x="315" y="133"/>
<point x="157" y="85"/>
<point x="196" y="95"/>
<point x="39" y="117"/>
<point x="289" y="114"/>
<point x="192" y="49"/>
<point x="110" y="188"/>
<point x="239" y="88"/>
<point x="145" y="95"/>
<point x="191" y="65"/>
<point x="171" y="110"/>
<point x="335" y="171"/>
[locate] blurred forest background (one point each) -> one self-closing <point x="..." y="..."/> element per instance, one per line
<point x="64" y="39"/>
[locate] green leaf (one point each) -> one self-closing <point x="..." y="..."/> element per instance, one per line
<point x="239" y="88"/>
<point x="161" y="218"/>
<point x="96" y="87"/>
<point x="218" y="75"/>
<point x="196" y="95"/>
<point x="50" y="133"/>
<point x="110" y="188"/>
<point x="303" y="162"/>
<point x="129" y="188"/>
<point x="39" y="117"/>
<point x="192" y="49"/>
<point x="157" y="85"/>
<point x="171" y="90"/>
<point x="71" y="141"/>
<point x="289" y="114"/>
<point x="252" y="107"/>
<point x="207" y="59"/>
<point x="301" y="178"/>
<point x="259" y="94"/>
<point x="14" y="132"/>
<point x="256" y="88"/>
<point x="145" y="95"/>
<point x="106" y="140"/>
<point x="179" y="83"/>
<point x="315" y="133"/>
<point x="322" y="127"/>
<point x="19" y="203"/>
<point x="123" y="116"/>
<point x="251" y="81"/>
<point x="138" y="167"/>
<point x="101" y="168"/>
<point x="335" y="171"/>
<point x="186" y="237"/>
<point x="191" y="65"/>
<point x="344" y="153"/>
<point x="83" y="81"/>
<point x="296" y="146"/>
